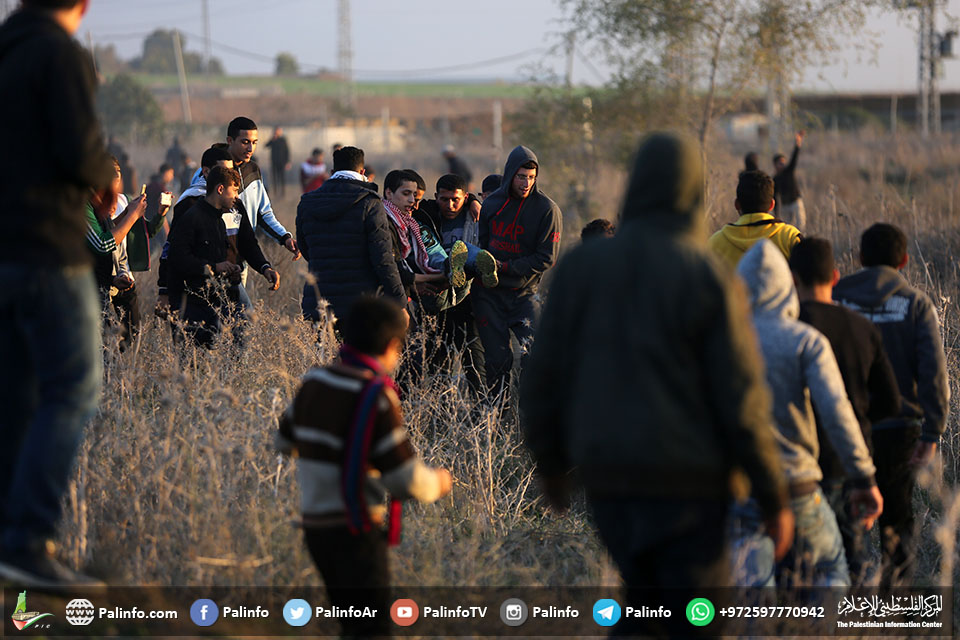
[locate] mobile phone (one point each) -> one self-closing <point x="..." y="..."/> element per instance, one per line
<point x="143" y="190"/>
<point x="166" y="199"/>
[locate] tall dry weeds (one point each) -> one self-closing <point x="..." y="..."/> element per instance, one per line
<point x="178" y="483"/>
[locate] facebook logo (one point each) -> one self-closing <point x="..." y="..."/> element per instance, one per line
<point x="204" y="612"/>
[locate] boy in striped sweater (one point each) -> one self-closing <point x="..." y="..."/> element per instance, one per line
<point x="346" y="427"/>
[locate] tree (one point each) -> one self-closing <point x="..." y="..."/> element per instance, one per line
<point x="127" y="107"/>
<point x="108" y="62"/>
<point x="703" y="55"/>
<point x="159" y="56"/>
<point x="287" y="65"/>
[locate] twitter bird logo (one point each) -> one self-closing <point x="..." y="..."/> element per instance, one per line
<point x="296" y="612"/>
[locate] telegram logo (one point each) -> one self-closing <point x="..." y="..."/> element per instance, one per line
<point x="606" y="612"/>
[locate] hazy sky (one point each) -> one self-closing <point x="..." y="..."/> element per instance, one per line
<point x="426" y="36"/>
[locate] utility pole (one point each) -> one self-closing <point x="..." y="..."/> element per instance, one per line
<point x="924" y="61"/>
<point x="182" y="74"/>
<point x="571" y="43"/>
<point x="933" y="49"/>
<point x="207" y="56"/>
<point x="93" y="52"/>
<point x="345" y="54"/>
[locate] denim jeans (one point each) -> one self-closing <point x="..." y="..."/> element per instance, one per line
<point x="51" y="365"/>
<point x="816" y="558"/>
<point x="856" y="541"/>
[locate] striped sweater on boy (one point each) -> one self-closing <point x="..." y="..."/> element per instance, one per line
<point x="315" y="426"/>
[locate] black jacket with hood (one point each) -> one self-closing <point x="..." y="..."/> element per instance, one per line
<point x="55" y="151"/>
<point x="344" y="233"/>
<point x="524" y="235"/>
<point x="649" y="379"/>
<point x="910" y="328"/>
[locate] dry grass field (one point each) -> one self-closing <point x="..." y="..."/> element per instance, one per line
<point x="178" y="483"/>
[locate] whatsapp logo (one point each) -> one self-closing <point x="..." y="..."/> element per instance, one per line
<point x="700" y="612"/>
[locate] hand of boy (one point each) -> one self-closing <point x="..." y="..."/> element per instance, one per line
<point x="923" y="453"/>
<point x="780" y="527"/>
<point x="867" y="505"/>
<point x="272" y="277"/>
<point x="446" y="482"/>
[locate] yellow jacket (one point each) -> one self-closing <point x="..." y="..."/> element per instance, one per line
<point x="733" y="240"/>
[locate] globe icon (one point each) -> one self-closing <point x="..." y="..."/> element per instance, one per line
<point x="80" y="612"/>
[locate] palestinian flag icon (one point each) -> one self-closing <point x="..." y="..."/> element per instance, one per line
<point x="22" y="618"/>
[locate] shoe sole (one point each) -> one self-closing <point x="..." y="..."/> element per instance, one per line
<point x="458" y="260"/>
<point x="27" y="580"/>
<point x="487" y="267"/>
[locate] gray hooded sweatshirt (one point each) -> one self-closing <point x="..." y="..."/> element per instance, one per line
<point x="801" y="369"/>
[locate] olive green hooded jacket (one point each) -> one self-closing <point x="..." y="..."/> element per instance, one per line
<point x="645" y="373"/>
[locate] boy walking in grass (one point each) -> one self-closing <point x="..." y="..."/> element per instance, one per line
<point x="908" y="322"/>
<point x="346" y="427"/>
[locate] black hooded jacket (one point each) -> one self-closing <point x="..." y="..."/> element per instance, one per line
<point x="648" y="379"/>
<point x="524" y="234"/>
<point x="344" y="233"/>
<point x="55" y="151"/>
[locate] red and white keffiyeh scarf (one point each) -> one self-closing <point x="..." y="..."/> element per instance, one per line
<point x="406" y="227"/>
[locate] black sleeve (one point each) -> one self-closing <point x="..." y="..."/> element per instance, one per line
<point x="80" y="154"/>
<point x="302" y="244"/>
<point x="793" y="159"/>
<point x="882" y="383"/>
<point x="376" y="225"/>
<point x="933" y="389"/>
<point x="483" y="225"/>
<point x="181" y="256"/>
<point x="407" y="277"/>
<point x="545" y="383"/>
<point x="248" y="247"/>
<point x="163" y="270"/>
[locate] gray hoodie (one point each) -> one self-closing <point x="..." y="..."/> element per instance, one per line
<point x="801" y="369"/>
<point x="908" y="323"/>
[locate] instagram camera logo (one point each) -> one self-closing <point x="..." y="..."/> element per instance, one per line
<point x="404" y="612"/>
<point x="513" y="612"/>
<point x="204" y="612"/>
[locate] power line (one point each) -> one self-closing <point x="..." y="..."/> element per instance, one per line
<point x="405" y="73"/>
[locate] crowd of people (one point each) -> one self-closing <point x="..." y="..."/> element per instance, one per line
<point x="668" y="370"/>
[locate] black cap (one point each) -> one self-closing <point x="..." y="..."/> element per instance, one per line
<point x="491" y="183"/>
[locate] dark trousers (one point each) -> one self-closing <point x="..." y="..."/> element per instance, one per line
<point x="458" y="334"/>
<point x="278" y="174"/>
<point x="674" y="545"/>
<point x="127" y="307"/>
<point x="498" y="313"/>
<point x="355" y="571"/>
<point x="203" y="321"/>
<point x="896" y="479"/>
